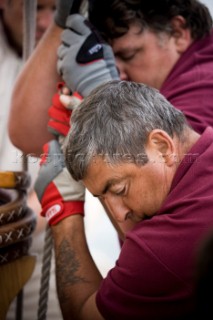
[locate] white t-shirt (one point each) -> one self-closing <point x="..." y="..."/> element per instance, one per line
<point x="10" y="66"/>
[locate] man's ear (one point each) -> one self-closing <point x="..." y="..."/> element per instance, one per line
<point x="181" y="34"/>
<point x="161" y="147"/>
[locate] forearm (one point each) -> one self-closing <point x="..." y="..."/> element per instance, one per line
<point x="77" y="276"/>
<point x="33" y="93"/>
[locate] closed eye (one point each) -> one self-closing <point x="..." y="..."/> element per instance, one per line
<point x="126" y="57"/>
<point x="120" y="192"/>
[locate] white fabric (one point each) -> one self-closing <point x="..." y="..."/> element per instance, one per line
<point x="10" y="66"/>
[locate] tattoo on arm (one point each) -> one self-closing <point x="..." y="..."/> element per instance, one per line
<point x="67" y="267"/>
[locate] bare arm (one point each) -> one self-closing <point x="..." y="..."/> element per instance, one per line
<point x="32" y="95"/>
<point x="77" y="277"/>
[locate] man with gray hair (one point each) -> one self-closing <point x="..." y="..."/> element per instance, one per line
<point x="137" y="154"/>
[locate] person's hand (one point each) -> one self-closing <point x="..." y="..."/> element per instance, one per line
<point x="63" y="9"/>
<point x="60" y="111"/>
<point x="84" y="59"/>
<point x="59" y="194"/>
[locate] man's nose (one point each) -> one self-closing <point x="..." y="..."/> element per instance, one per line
<point x="118" y="212"/>
<point x="121" y="69"/>
<point x="116" y="207"/>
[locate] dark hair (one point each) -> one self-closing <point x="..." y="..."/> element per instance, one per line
<point x="113" y="17"/>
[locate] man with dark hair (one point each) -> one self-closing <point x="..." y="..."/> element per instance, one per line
<point x="165" y="44"/>
<point x="133" y="150"/>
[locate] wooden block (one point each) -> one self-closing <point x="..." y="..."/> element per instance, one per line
<point x="13" y="277"/>
<point x="7" y="179"/>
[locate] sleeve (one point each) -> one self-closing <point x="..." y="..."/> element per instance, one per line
<point x="141" y="286"/>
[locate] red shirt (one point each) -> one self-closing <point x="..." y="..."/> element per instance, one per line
<point x="189" y="87"/>
<point x="154" y="275"/>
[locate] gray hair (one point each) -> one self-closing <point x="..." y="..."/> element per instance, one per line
<point x="114" y="122"/>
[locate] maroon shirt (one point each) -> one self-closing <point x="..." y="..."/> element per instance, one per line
<point x="153" y="277"/>
<point x="189" y="87"/>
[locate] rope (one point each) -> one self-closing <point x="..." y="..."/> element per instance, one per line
<point x="29" y="27"/>
<point x="46" y="264"/>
